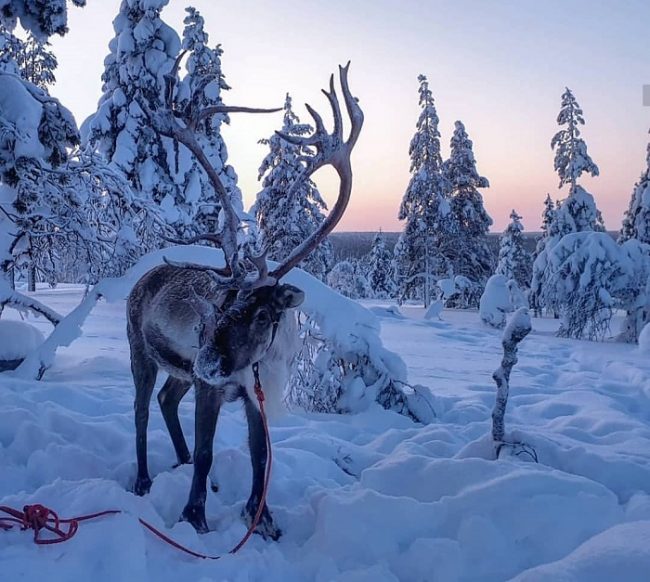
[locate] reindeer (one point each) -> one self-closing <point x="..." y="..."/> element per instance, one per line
<point x="207" y="326"/>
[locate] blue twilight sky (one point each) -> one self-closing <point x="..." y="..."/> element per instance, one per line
<point x="499" y="66"/>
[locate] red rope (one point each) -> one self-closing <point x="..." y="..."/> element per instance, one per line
<point x="38" y="517"/>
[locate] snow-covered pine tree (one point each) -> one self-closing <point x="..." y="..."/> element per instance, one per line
<point x="202" y="85"/>
<point x="343" y="279"/>
<point x="586" y="274"/>
<point x="286" y="212"/>
<point x="634" y="237"/>
<point x="37" y="62"/>
<point x="60" y="204"/>
<point x="141" y="53"/>
<point x="571" y="157"/>
<point x="578" y="212"/>
<point x="636" y="223"/>
<point x="514" y="260"/>
<point x="381" y="275"/>
<point x="420" y="253"/>
<point x="469" y="252"/>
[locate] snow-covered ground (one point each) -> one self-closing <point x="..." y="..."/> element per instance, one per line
<point x="370" y="497"/>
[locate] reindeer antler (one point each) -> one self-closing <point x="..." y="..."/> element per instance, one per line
<point x="333" y="150"/>
<point x="180" y="126"/>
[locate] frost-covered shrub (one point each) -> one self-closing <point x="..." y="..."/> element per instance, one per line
<point x="495" y="302"/>
<point x="340" y="372"/>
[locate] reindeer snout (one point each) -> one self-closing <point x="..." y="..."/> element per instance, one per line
<point x="212" y="368"/>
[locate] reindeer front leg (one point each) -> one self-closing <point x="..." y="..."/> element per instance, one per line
<point x="259" y="455"/>
<point x="208" y="403"/>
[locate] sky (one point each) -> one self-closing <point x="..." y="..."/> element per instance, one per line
<point x="500" y="66"/>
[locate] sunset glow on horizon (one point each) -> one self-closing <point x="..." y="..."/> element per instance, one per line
<point x="500" y="67"/>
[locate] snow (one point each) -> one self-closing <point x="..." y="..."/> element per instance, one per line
<point x="17" y="339"/>
<point x="370" y="496"/>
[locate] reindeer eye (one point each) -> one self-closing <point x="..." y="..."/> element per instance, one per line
<point x="263" y="317"/>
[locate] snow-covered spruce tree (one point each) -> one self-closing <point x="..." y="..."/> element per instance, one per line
<point x="289" y="207"/>
<point x="634" y="298"/>
<point x="585" y="274"/>
<point x="636" y="223"/>
<point x="203" y="85"/>
<point x="141" y="53"/>
<point x="576" y="213"/>
<point x="469" y="252"/>
<point x="343" y="279"/>
<point x="34" y="132"/>
<point x="635" y="239"/>
<point x="380" y="275"/>
<point x="35" y="63"/>
<point x="548" y="220"/>
<point x="420" y="253"/>
<point x="514" y="260"/>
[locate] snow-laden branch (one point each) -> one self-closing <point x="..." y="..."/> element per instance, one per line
<point x="517" y="329"/>
<point x="9" y="296"/>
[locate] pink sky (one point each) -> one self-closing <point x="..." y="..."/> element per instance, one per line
<point x="500" y="67"/>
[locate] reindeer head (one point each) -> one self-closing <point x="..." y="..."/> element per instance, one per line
<point x="233" y="339"/>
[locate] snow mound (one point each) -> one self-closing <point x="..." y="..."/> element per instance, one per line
<point x="644" y="339"/>
<point x="17" y="339"/>
<point x="495" y="302"/>
<point x="622" y="548"/>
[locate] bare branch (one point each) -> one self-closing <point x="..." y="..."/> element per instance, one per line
<point x="216" y="109"/>
<point x="206" y="236"/>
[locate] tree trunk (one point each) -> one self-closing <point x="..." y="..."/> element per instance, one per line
<point x="31" y="277"/>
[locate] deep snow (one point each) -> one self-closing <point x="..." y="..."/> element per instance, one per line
<point x="365" y="497"/>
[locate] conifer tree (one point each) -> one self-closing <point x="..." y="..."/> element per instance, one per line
<point x="578" y="212"/>
<point x="380" y="275"/>
<point x="288" y="212"/>
<point x="469" y="251"/>
<point x="636" y="223"/>
<point x="419" y="254"/>
<point x="203" y="85"/>
<point x="514" y="260"/>
<point x="141" y="53"/>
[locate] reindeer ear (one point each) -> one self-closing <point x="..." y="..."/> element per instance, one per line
<point x="289" y="296"/>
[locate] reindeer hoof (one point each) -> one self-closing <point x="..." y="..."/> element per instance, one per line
<point x="142" y="486"/>
<point x="265" y="528"/>
<point x="196" y="517"/>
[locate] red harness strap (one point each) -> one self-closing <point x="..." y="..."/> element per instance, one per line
<point x="38" y="517"/>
